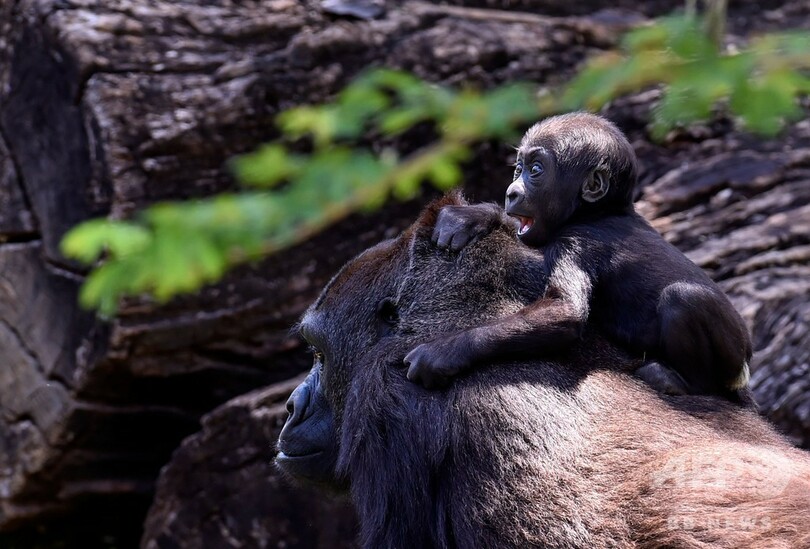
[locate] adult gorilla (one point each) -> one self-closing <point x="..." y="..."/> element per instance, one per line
<point x="573" y="452"/>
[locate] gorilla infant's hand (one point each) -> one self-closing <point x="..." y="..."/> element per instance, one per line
<point x="458" y="226"/>
<point x="433" y="364"/>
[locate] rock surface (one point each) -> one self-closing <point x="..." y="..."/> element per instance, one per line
<point x="222" y="486"/>
<point x="108" y="107"/>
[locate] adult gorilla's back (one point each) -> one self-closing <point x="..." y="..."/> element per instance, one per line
<point x="572" y="452"/>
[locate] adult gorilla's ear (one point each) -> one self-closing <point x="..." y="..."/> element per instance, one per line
<point x="596" y="186"/>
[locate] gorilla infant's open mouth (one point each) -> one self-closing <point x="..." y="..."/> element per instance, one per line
<point x="525" y="223"/>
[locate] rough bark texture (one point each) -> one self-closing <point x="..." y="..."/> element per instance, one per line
<point x="109" y="106"/>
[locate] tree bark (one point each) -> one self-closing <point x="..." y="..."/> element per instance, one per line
<point x="108" y="107"/>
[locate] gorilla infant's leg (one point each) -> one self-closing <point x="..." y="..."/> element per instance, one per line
<point x="663" y="379"/>
<point x="703" y="339"/>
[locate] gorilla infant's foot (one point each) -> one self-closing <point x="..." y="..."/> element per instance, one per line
<point x="662" y="379"/>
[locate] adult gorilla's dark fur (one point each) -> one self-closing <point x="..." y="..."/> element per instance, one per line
<point x="567" y="453"/>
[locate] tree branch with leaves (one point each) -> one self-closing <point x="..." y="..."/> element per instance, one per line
<point x="288" y="195"/>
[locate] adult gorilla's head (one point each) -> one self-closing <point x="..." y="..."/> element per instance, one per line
<point x="355" y="312"/>
<point x="565" y="453"/>
<point x="370" y="314"/>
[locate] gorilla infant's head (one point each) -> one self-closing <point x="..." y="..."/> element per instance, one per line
<point x="568" y="167"/>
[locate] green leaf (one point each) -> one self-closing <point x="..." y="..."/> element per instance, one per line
<point x="649" y="37"/>
<point x="766" y="103"/>
<point x="407" y="185"/>
<point x="320" y="122"/>
<point x="445" y="173"/>
<point x="101" y="289"/>
<point x="400" y="82"/>
<point x="401" y="119"/>
<point x="687" y="40"/>
<point x="595" y="84"/>
<point x="356" y="105"/>
<point x="268" y="166"/>
<point x="507" y="108"/>
<point x="87" y="241"/>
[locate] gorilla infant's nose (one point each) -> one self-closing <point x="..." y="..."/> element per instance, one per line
<point x="513" y="195"/>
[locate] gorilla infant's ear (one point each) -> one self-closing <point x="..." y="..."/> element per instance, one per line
<point x="595" y="186"/>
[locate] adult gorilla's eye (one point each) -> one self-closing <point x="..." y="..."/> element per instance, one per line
<point x="388" y="312"/>
<point x="537" y="168"/>
<point x="317" y="356"/>
<point x="518" y="170"/>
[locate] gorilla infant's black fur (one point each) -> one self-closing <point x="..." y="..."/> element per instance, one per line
<point x="566" y="453"/>
<point x="573" y="195"/>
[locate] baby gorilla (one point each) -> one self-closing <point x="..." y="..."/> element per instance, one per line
<point x="573" y="197"/>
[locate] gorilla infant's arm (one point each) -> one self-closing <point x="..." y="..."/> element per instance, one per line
<point x="572" y="196"/>
<point x="550" y="324"/>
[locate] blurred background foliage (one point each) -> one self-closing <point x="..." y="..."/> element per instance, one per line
<point x="288" y="195"/>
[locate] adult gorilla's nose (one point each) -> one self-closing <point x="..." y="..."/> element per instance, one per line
<point x="297" y="404"/>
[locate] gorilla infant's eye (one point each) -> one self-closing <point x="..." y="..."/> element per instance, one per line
<point x="536" y="168"/>
<point x="518" y="170"/>
<point x="388" y="312"/>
